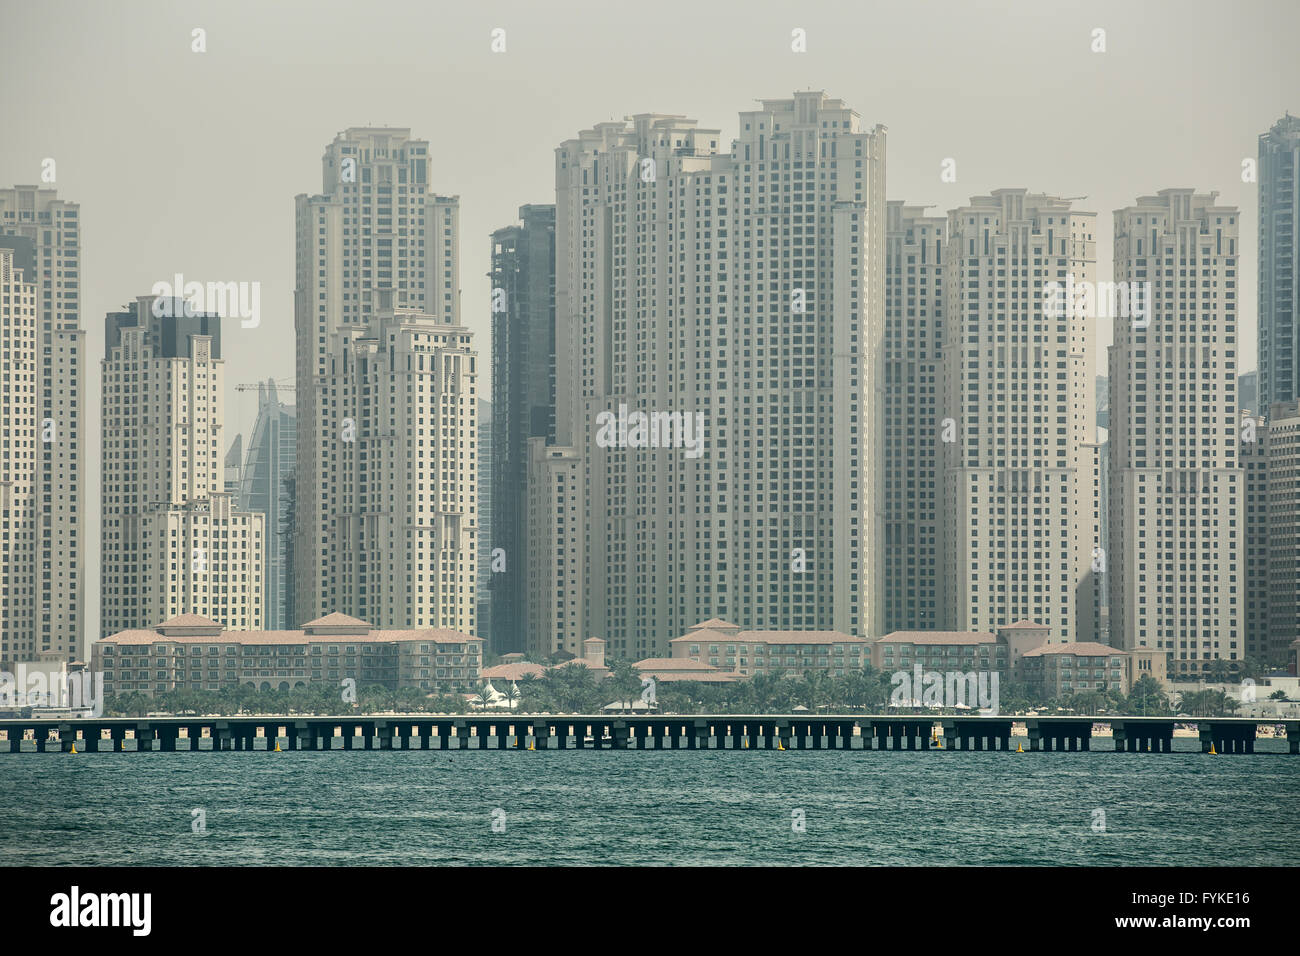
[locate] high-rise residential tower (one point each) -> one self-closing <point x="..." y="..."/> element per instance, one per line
<point x="1254" y="463"/>
<point x="386" y="473"/>
<point x="484" y="455"/>
<point x="53" y="226"/>
<point x="523" y="402"/>
<point x="270" y="456"/>
<point x="1176" y="512"/>
<point x="1279" y="285"/>
<point x="174" y="541"/>
<point x="913" y="335"/>
<point x="401" y="411"/>
<point x="719" y="331"/>
<point x="19" y="444"/>
<point x="1017" y="423"/>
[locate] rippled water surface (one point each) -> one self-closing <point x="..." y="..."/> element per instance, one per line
<point x="651" y="807"/>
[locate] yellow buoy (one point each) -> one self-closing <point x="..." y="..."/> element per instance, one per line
<point x="1213" y="752"/>
<point x="74" y="748"/>
<point x="779" y="745"/>
<point x="938" y="744"/>
<point x="277" y="745"/>
<point x="1020" y="748"/>
<point x="532" y="746"/>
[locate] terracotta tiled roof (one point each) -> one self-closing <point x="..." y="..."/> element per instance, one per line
<point x="703" y="637"/>
<point x="669" y="669"/>
<point x="1077" y="648"/>
<point x="938" y="637"/>
<point x="673" y="664"/>
<point x="336" y="619"/>
<point x="711" y="624"/>
<point x="517" y="670"/>
<point x="1034" y="624"/>
<point x="189" y="620"/>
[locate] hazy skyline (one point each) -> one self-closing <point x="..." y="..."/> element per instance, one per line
<point x="188" y="162"/>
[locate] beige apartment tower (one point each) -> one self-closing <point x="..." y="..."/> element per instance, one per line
<point x="912" y="389"/>
<point x="1177" y="515"/>
<point x="741" y="291"/>
<point x="56" y="629"/>
<point x="385" y="527"/>
<point x="172" y="541"/>
<point x="19" y="441"/>
<point x="1016" y="423"/>
<point x="1270" y="463"/>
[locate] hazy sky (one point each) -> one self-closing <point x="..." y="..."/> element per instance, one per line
<point x="189" y="162"/>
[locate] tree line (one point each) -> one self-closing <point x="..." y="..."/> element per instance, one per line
<point x="574" y="689"/>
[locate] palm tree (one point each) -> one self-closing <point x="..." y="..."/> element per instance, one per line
<point x="512" y="696"/>
<point x="625" y="681"/>
<point x="484" y="696"/>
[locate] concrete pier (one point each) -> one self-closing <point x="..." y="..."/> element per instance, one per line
<point x="1070" y="734"/>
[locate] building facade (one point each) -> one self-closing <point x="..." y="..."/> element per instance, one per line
<point x="733" y="650"/>
<point x="1279" y="286"/>
<point x="19" y="463"/>
<point x="485" y="454"/>
<point x="1254" y="461"/>
<point x="1017" y="422"/>
<point x="1283" y="456"/>
<point x="191" y="652"/>
<point x="53" y="226"/>
<point x="1176" y="515"/>
<point x="523" y="402"/>
<point x="173" y="541"/>
<point x="377" y="238"/>
<point x="555" y="550"/>
<point x="913" y="336"/>
<point x="271" y="455"/>
<point x="401" y="407"/>
<point x="719" y="326"/>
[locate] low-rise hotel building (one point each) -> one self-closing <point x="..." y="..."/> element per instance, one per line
<point x="192" y="652"/>
<point x="1061" y="670"/>
<point x="723" y="645"/>
<point x="1020" y="652"/>
<point x="668" y="670"/>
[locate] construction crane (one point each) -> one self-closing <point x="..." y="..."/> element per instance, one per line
<point x="286" y="384"/>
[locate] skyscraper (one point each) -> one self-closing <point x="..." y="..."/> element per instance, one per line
<point x="1176" y="513"/>
<point x="234" y="466"/>
<point x="1248" y="392"/>
<point x="53" y="226"/>
<point x="173" y="540"/>
<point x="913" y="335"/>
<point x="1270" y="460"/>
<point x="1279" y="290"/>
<point x="719" y="327"/>
<point x="1254" y="461"/>
<point x="386" y="470"/>
<point x="523" y="402"/>
<point x="19" y="463"/>
<point x="1017" y="423"/>
<point x="272" y="451"/>
<point x="485" y="454"/>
